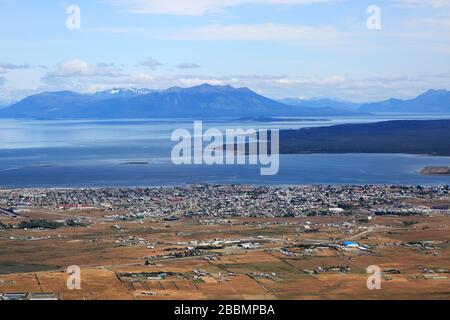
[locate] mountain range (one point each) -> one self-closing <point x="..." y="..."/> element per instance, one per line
<point x="432" y="101"/>
<point x="204" y="101"/>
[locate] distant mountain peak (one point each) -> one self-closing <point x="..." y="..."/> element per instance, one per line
<point x="211" y="87"/>
<point x="435" y="92"/>
<point x="431" y="101"/>
<point x="207" y="88"/>
<point x="204" y="86"/>
<point x="126" y="91"/>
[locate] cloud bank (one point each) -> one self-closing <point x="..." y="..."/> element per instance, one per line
<point x="196" y="7"/>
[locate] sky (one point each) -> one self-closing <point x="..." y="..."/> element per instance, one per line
<point x="352" y="50"/>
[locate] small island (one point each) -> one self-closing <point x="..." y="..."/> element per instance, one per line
<point x="135" y="163"/>
<point x="435" y="171"/>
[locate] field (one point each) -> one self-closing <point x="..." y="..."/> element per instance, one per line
<point x="236" y="258"/>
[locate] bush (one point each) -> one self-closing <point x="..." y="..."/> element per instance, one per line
<point x="74" y="223"/>
<point x="39" y="224"/>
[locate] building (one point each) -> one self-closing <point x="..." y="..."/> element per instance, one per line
<point x="43" y="296"/>
<point x="350" y="244"/>
<point x="29" y="296"/>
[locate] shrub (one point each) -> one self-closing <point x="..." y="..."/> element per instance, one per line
<point x="39" y="224"/>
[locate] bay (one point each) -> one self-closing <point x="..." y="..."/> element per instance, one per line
<point x="129" y="153"/>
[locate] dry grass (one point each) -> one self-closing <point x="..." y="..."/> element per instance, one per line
<point x="37" y="266"/>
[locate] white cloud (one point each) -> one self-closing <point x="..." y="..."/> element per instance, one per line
<point x="333" y="80"/>
<point x="273" y="86"/>
<point x="442" y="49"/>
<point x="188" y="65"/>
<point x="195" y="7"/>
<point x="6" y="67"/>
<point x="79" y="75"/>
<point x="442" y="24"/>
<point x="72" y="68"/>
<point x="329" y="82"/>
<point x="2" y="81"/>
<point x="185" y="81"/>
<point x="80" y="68"/>
<point x="12" y="66"/>
<point x="425" y="3"/>
<point x="142" y="79"/>
<point x="262" y="32"/>
<point x="151" y="63"/>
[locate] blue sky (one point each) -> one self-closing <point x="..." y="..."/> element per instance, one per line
<point x="279" y="48"/>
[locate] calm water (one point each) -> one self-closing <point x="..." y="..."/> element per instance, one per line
<point x="93" y="153"/>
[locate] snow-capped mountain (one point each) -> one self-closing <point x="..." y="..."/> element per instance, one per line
<point x="203" y="101"/>
<point x="125" y="92"/>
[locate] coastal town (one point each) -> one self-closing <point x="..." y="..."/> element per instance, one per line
<point x="230" y="200"/>
<point x="225" y="242"/>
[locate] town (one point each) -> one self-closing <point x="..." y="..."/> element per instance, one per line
<point x="231" y="200"/>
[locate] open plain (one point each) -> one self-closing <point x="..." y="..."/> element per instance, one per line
<point x="190" y="256"/>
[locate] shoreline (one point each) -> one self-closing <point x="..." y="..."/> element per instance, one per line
<point x="219" y="185"/>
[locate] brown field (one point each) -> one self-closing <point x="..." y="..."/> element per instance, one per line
<point x="235" y="273"/>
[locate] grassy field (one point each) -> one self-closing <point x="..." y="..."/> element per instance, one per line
<point x="234" y="272"/>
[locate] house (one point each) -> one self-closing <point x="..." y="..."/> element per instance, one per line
<point x="172" y="218"/>
<point x="15" y="296"/>
<point x="43" y="296"/>
<point x="350" y="244"/>
<point x="29" y="296"/>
